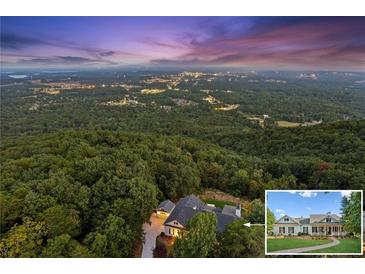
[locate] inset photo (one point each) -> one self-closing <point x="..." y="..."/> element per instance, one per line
<point x="314" y="222"/>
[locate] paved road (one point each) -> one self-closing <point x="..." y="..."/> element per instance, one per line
<point x="152" y="231"/>
<point x="309" y="248"/>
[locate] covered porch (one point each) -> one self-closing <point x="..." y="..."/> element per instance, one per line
<point x="328" y="230"/>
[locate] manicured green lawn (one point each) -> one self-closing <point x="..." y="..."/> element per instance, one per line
<point x="345" y="246"/>
<point x="218" y="203"/>
<point x="289" y="243"/>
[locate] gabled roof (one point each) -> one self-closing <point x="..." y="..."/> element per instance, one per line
<point x="182" y="215"/>
<point x="187" y="207"/>
<point x="313" y="218"/>
<point x="191" y="201"/>
<point x="167" y="206"/>
<point x="319" y="218"/>
<point x="223" y="220"/>
<point x="229" y="210"/>
<point x="304" y="221"/>
<point x="292" y="220"/>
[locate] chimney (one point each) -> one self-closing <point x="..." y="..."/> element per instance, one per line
<point x="238" y="210"/>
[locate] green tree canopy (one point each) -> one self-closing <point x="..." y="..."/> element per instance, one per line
<point x="270" y="220"/>
<point x="24" y="240"/>
<point x="64" y="246"/>
<point x="61" y="220"/>
<point x="199" y="240"/>
<point x="352" y="214"/>
<point x="240" y="241"/>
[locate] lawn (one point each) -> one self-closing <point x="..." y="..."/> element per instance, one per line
<point x="345" y="246"/>
<point x="287" y="124"/>
<point x="218" y="203"/>
<point x="289" y="243"/>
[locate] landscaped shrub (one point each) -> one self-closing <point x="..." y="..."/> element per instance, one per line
<point x="160" y="251"/>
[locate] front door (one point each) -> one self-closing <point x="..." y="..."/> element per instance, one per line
<point x="329" y="230"/>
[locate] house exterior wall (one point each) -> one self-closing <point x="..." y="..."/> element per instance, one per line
<point x="276" y="229"/>
<point x="309" y="229"/>
<point x="334" y="232"/>
<point x="172" y="231"/>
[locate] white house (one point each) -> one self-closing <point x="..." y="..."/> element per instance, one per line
<point x="316" y="225"/>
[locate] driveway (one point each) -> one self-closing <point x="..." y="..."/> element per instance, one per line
<point x="309" y="248"/>
<point x="151" y="232"/>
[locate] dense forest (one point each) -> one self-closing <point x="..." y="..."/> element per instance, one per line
<point x="79" y="178"/>
<point x="87" y="193"/>
<point x="81" y="193"/>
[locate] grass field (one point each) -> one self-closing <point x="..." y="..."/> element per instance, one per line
<point x="289" y="243"/>
<point x="218" y="203"/>
<point x="345" y="246"/>
<point x="287" y="124"/>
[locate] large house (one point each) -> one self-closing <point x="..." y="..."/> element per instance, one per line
<point x="316" y="225"/>
<point x="177" y="215"/>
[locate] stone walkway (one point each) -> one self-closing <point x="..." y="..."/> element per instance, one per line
<point x="309" y="248"/>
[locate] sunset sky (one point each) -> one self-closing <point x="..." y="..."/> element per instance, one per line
<point x="293" y="43"/>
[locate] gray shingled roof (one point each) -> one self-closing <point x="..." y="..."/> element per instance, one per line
<point x="294" y="220"/>
<point x="187" y="207"/>
<point x="303" y="221"/>
<point x="315" y="218"/>
<point x="229" y="210"/>
<point x="223" y="220"/>
<point x="167" y="206"/>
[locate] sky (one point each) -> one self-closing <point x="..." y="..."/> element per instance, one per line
<point x="288" y="43"/>
<point x="298" y="204"/>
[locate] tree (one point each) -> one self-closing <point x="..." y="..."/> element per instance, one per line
<point x="257" y="214"/>
<point x="63" y="247"/>
<point x="200" y="238"/>
<point x="61" y="220"/>
<point x="97" y="243"/>
<point x="239" y="241"/>
<point x="144" y="197"/>
<point x="352" y="214"/>
<point x="115" y="238"/>
<point x="24" y="240"/>
<point x="344" y="204"/>
<point x="270" y="220"/>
